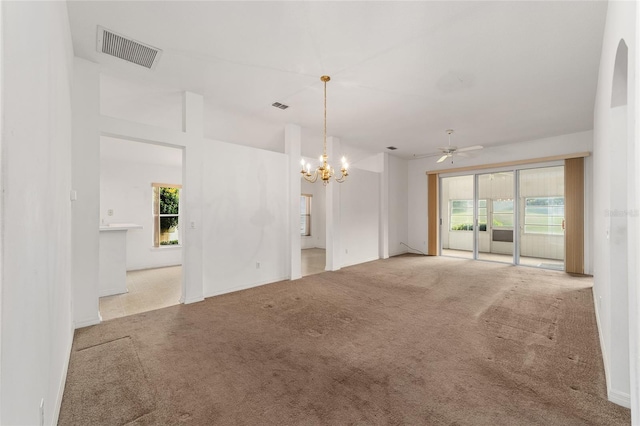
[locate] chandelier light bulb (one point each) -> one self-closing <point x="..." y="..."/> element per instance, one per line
<point x="302" y="162"/>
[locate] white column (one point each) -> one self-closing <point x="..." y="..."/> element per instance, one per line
<point x="85" y="182"/>
<point x="292" y="147"/>
<point x="192" y="262"/>
<point x="333" y="254"/>
<point x="384" y="207"/>
<point x="634" y="235"/>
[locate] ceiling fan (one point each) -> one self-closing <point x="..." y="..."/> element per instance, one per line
<point x="449" y="151"/>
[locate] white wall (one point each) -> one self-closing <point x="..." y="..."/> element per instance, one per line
<point x="36" y="321"/>
<point x="398" y="199"/>
<point x="558" y="145"/>
<point x="317" y="239"/>
<point x="359" y="217"/>
<point x="140" y="101"/>
<point x="615" y="211"/>
<point x="245" y="205"/>
<point x="85" y="179"/>
<point x="125" y="188"/>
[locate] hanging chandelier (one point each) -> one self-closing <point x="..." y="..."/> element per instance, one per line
<point x="324" y="170"/>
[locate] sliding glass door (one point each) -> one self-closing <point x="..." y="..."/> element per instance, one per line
<point x="511" y="216"/>
<point x="457" y="212"/>
<point x="542" y="217"/>
<point x="496" y="220"/>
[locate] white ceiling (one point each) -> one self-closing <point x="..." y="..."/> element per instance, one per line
<point x="401" y="72"/>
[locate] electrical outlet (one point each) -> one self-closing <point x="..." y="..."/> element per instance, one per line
<point x="257" y="265"/>
<point x="110" y="212"/>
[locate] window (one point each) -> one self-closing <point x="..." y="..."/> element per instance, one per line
<point x="502" y="213"/>
<point x="544" y="215"/>
<point x="305" y="215"/>
<point x="166" y="214"/>
<point x="461" y="215"/>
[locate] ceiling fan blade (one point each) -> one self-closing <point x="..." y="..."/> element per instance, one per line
<point x="426" y="155"/>
<point x="447" y="148"/>
<point x="470" y="148"/>
<point x="462" y="154"/>
<point x="444" y="157"/>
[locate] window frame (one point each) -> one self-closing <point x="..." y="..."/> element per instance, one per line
<point x="306" y="216"/>
<point x="156" y="215"/>
<point x="482" y="218"/>
<point x="500" y="213"/>
<point x="559" y="226"/>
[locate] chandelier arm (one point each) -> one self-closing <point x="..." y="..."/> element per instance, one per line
<point x="311" y="177"/>
<point x="343" y="176"/>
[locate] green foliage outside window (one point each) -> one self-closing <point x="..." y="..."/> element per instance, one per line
<point x="169" y="204"/>
<point x="461" y="215"/>
<point x="468" y="227"/>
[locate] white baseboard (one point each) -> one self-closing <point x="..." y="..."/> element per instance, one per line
<point x="193" y="300"/>
<point x="87" y="322"/>
<point x="357" y="262"/>
<point x="619" y="398"/>
<point x="112" y="292"/>
<point x="398" y="252"/>
<point x="603" y="349"/>
<point x="613" y="395"/>
<point x="245" y="287"/>
<point x="63" y="382"/>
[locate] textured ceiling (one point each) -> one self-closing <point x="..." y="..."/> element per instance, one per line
<point x="402" y="72"/>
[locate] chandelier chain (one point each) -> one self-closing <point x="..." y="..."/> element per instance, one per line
<point x="325" y="117"/>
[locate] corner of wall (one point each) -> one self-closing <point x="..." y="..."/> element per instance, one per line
<point x="63" y="382"/>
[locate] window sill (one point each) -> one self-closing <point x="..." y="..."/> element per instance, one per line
<point x="162" y="248"/>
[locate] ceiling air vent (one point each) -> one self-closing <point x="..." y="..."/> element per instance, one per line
<point x="124" y="48"/>
<point x="279" y="105"/>
<point x="391" y="148"/>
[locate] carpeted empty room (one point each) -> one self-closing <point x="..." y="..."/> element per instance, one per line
<point x="409" y="340"/>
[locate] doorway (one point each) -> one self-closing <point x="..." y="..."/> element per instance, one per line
<point x="312" y="228"/>
<point x="140" y="187"/>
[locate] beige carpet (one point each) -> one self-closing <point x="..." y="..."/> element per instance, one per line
<point x="409" y="340"/>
